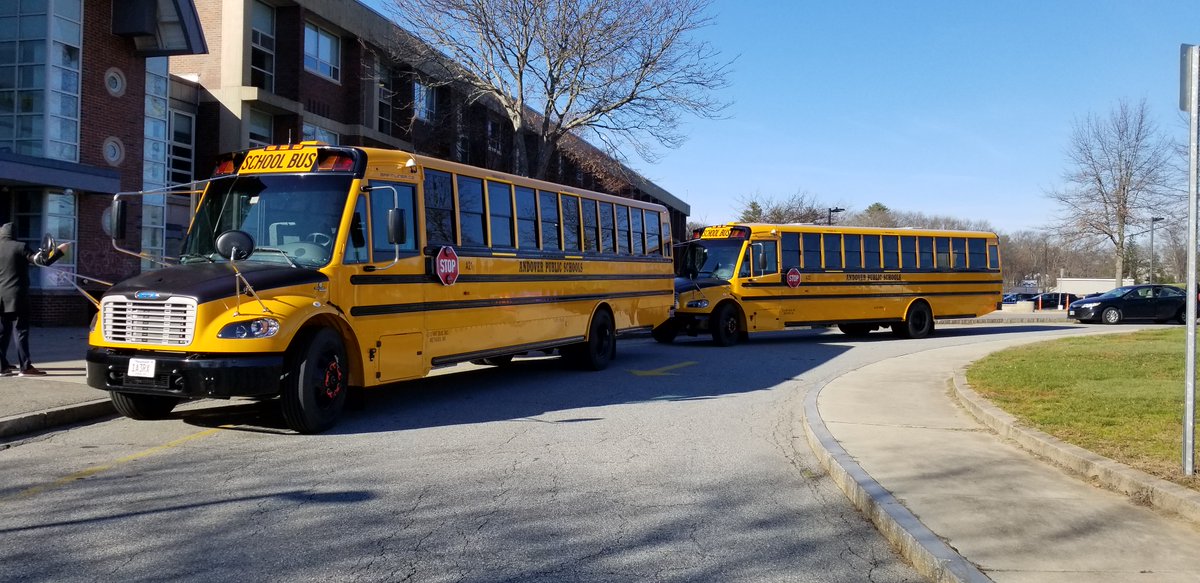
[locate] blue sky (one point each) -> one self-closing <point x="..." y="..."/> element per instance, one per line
<point x="960" y="108"/>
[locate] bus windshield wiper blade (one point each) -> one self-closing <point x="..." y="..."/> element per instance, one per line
<point x="195" y="255"/>
<point x="279" y="251"/>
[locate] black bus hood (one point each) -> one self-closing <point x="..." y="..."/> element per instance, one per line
<point x="210" y="281"/>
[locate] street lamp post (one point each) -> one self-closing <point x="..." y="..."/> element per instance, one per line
<point x="1152" y="221"/>
<point x="835" y="209"/>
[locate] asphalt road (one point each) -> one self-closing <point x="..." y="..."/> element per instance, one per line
<point x="678" y="463"/>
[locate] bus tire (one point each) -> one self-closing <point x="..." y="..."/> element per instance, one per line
<point x="856" y="330"/>
<point x="726" y="325"/>
<point x="143" y="407"/>
<point x="600" y="348"/>
<point x="918" y="322"/>
<point x="665" y="333"/>
<point x="315" y="382"/>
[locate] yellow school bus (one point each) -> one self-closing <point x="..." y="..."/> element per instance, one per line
<point x="308" y="269"/>
<point x="740" y="278"/>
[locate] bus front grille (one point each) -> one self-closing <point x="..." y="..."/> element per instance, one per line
<point x="170" y="322"/>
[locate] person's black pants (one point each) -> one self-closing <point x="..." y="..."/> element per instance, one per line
<point x="20" y="322"/>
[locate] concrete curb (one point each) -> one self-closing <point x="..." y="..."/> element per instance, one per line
<point x="1140" y="487"/>
<point x="930" y="555"/>
<point x="50" y="418"/>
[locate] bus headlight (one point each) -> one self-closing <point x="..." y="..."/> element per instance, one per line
<point x="698" y="304"/>
<point x="260" y="328"/>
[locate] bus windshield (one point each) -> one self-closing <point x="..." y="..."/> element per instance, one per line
<point x="709" y="258"/>
<point x="293" y="219"/>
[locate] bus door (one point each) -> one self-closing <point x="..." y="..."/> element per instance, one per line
<point x="761" y="285"/>
<point x="385" y="282"/>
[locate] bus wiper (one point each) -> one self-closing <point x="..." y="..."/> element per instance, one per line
<point x="279" y="251"/>
<point x="195" y="255"/>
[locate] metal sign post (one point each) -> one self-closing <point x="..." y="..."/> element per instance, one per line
<point x="1189" y="89"/>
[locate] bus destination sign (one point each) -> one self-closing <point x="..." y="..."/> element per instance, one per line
<point x="269" y="161"/>
<point x="725" y="232"/>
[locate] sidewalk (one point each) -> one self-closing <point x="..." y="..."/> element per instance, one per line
<point x="966" y="504"/>
<point x="61" y="397"/>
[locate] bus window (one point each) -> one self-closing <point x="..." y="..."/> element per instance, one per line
<point x="549" y="209"/>
<point x="853" y="244"/>
<point x="653" y="237"/>
<point x="959" y="245"/>
<point x="871" y="253"/>
<point x="942" y="245"/>
<point x="764" y="255"/>
<point x="908" y="251"/>
<point x="622" y="229"/>
<point x="666" y="237"/>
<point x="833" y="251"/>
<point x="891" y="252"/>
<point x="925" y="252"/>
<point x="500" y="207"/>
<point x="608" y="236"/>
<point x="439" y="208"/>
<point x="570" y="225"/>
<point x="790" y="243"/>
<point x="591" y="236"/>
<point x="527" y="228"/>
<point x="470" y="211"/>
<point x="637" y="224"/>
<point x="812" y="251"/>
<point x="993" y="256"/>
<point x="976" y="253"/>
<point x="383" y="200"/>
<point x="356" y="244"/>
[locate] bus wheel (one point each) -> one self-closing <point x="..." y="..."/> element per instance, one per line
<point x="856" y="330"/>
<point x="725" y="325"/>
<point x="666" y="332"/>
<point x="601" y="346"/>
<point x="918" y="323"/>
<point x="315" y="382"/>
<point x="143" y="407"/>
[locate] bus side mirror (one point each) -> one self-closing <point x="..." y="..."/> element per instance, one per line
<point x="397" y="234"/>
<point x="116" y="225"/>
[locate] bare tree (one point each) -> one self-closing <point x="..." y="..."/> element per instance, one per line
<point x="620" y="71"/>
<point x="800" y="207"/>
<point x="1120" y="169"/>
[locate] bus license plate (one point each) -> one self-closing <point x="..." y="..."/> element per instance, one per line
<point x="141" y="367"/>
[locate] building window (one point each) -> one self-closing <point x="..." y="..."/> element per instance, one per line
<point x="322" y="52"/>
<point x="261" y="129"/>
<point x="495" y="136"/>
<point x="183" y="145"/>
<point x="386" y="89"/>
<point x="424" y="101"/>
<point x="319" y="134"/>
<point x="39" y="78"/>
<point x="262" y="46"/>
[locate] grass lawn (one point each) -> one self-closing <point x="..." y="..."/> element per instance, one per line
<point x="1119" y="395"/>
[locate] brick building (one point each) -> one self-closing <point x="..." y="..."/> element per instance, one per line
<point x="84" y="113"/>
<point x="282" y="71"/>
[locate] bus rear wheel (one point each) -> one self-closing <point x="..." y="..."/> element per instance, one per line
<point x="601" y="346"/>
<point x="918" y="323"/>
<point x="315" y="382"/>
<point x="726" y="326"/>
<point x="143" y="407"/>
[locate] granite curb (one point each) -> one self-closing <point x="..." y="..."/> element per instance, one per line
<point x="927" y="552"/>
<point x="55" y="417"/>
<point x="1140" y="487"/>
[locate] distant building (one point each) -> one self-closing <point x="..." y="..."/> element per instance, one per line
<point x="84" y="113"/>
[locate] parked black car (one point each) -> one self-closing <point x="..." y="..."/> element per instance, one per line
<point x="1012" y="298"/>
<point x="1053" y="300"/>
<point x="1132" y="302"/>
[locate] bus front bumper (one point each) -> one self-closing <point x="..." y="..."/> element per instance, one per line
<point x="187" y="376"/>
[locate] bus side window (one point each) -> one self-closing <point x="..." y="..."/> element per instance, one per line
<point x="439" y="208"/>
<point x="891" y="251"/>
<point x="622" y="229"/>
<point x="608" y="234"/>
<point x="853" y="244"/>
<point x="977" y="253"/>
<point x="993" y="256"/>
<point x="382" y="200"/>
<point x="871" y="261"/>
<point x="908" y="251"/>
<point x="942" y="244"/>
<point x="653" y="234"/>
<point x="356" y="244"/>
<point x="637" y="222"/>
<point x="765" y="258"/>
<point x="925" y="252"/>
<point x="548" y="203"/>
<point x="791" y="250"/>
<point x="959" y="244"/>
<point x="833" y="251"/>
<point x="812" y="251"/>
<point x="591" y="234"/>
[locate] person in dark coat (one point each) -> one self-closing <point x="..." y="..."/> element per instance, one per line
<point x="15" y="259"/>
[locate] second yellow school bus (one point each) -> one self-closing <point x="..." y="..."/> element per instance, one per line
<point x="311" y="268"/>
<point x="739" y="278"/>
